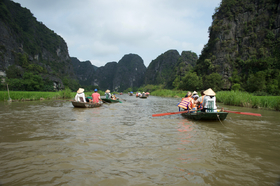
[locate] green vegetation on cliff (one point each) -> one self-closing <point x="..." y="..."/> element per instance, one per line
<point x="244" y="46"/>
<point x="33" y="56"/>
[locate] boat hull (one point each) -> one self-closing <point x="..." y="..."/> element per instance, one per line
<point x="143" y="97"/>
<point x="211" y="116"/>
<point x="85" y="105"/>
<point x="109" y="100"/>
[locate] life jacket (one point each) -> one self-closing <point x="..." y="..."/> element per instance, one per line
<point x="186" y="103"/>
<point x="200" y="107"/>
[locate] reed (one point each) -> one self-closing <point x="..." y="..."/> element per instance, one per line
<point x="169" y="93"/>
<point x="246" y="99"/>
<point x="28" y="95"/>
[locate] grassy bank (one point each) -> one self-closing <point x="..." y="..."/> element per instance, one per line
<point x="235" y="98"/>
<point x="169" y="93"/>
<point x="245" y="99"/>
<point x="32" y="95"/>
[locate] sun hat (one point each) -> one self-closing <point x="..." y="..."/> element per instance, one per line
<point x="95" y="90"/>
<point x="194" y="92"/>
<point x="209" y="92"/>
<point x="195" y="96"/>
<point x="81" y="90"/>
<point x="107" y="91"/>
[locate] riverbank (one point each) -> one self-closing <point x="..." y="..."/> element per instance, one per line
<point x="235" y="98"/>
<point x="33" y="95"/>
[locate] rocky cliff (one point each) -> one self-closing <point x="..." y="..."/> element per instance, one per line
<point x="84" y="71"/>
<point x="30" y="45"/>
<point x="243" y="40"/>
<point x="128" y="72"/>
<point x="160" y="70"/>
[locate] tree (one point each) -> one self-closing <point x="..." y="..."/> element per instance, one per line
<point x="256" y="82"/>
<point x="190" y="82"/>
<point x="214" y="81"/>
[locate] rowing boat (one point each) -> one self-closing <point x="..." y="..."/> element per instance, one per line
<point x="205" y="115"/>
<point x="85" y="105"/>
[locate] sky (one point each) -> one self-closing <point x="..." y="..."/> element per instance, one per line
<point x="103" y="31"/>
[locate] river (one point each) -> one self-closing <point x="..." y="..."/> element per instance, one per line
<point x="53" y="143"/>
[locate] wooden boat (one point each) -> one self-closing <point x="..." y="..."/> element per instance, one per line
<point x="130" y="94"/>
<point x="105" y="100"/>
<point x="85" y="105"/>
<point x="205" y="115"/>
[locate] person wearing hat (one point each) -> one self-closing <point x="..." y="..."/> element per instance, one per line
<point x="80" y="96"/>
<point x="194" y="93"/>
<point x="195" y="105"/>
<point x="209" y="103"/>
<point x="108" y="94"/>
<point x="95" y="97"/>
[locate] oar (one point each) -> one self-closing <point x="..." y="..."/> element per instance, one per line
<point x="244" y="113"/>
<point x="169" y="113"/>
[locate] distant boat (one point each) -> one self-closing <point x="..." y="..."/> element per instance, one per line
<point x="85" y="105"/>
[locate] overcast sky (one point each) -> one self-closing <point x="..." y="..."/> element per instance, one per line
<point x="103" y="31"/>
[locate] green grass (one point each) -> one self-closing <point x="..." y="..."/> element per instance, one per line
<point x="169" y="93"/>
<point x="28" y="95"/>
<point x="245" y="99"/>
<point x="33" y="95"/>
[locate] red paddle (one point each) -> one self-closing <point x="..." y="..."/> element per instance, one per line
<point x="244" y="113"/>
<point x="169" y="113"/>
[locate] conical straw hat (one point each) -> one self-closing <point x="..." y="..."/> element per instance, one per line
<point x="81" y="90"/>
<point x="107" y="91"/>
<point x="209" y="92"/>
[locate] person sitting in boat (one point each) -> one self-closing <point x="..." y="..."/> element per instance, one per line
<point x="95" y="97"/>
<point x="209" y="103"/>
<point x="139" y="94"/>
<point x="143" y="94"/>
<point x="114" y="97"/>
<point x="195" y="105"/>
<point x="194" y="93"/>
<point x="80" y="96"/>
<point x="107" y="94"/>
<point x="199" y="101"/>
<point x="187" y="102"/>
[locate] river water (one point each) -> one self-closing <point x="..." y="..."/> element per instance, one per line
<point x="53" y="143"/>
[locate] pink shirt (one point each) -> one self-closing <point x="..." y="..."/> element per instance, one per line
<point x="95" y="97"/>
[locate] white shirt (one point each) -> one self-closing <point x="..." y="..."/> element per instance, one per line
<point x="80" y="95"/>
<point x="207" y="100"/>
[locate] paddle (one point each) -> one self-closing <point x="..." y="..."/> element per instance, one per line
<point x="169" y="113"/>
<point x="244" y="113"/>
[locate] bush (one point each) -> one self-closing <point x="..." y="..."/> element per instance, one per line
<point x="66" y="93"/>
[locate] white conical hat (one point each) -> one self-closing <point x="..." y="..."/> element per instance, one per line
<point x="209" y="92"/>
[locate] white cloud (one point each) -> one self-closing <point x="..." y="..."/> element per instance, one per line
<point x="105" y="30"/>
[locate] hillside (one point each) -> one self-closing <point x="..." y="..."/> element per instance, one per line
<point x="243" y="46"/>
<point x="160" y="69"/>
<point x="29" y="51"/>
